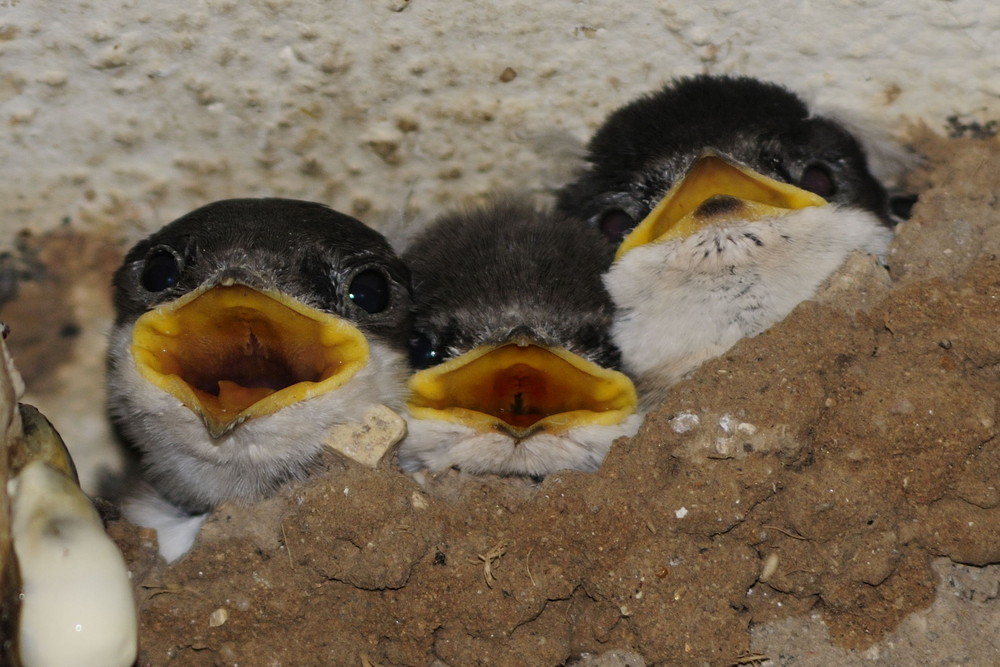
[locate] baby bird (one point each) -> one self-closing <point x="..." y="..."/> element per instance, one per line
<point x="244" y="331"/>
<point x="729" y="204"/>
<point x="511" y="329"/>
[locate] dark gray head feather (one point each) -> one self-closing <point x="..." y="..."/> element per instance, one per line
<point x="645" y="146"/>
<point x="484" y="275"/>
<point x="306" y="250"/>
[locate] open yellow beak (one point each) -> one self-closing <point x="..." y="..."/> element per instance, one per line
<point x="521" y="388"/>
<point x="232" y="353"/>
<point x="716" y="190"/>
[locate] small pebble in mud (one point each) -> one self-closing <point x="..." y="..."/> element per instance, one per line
<point x="770" y="566"/>
<point x="419" y="501"/>
<point x="218" y="617"/>
<point x="902" y="407"/>
<point x="684" y="422"/>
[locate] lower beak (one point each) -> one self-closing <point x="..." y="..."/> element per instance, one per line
<point x="231" y="353"/>
<point x="716" y="190"/>
<point x="521" y="388"/>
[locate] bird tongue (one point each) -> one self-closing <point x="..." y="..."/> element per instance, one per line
<point x="230" y="353"/>
<point x="520" y="389"/>
<point x="716" y="190"/>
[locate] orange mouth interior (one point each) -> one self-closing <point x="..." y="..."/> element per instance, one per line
<point x="230" y="353"/>
<point x="521" y="389"/>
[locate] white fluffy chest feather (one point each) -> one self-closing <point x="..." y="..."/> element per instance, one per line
<point x="683" y="301"/>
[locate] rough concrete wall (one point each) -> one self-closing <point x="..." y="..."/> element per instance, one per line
<point x="135" y="112"/>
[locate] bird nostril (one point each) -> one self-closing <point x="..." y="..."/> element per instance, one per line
<point x="718" y="205"/>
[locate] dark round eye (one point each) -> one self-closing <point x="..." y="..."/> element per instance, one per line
<point x="615" y="224"/>
<point x="161" y="271"/>
<point x="370" y="290"/>
<point x="422" y="352"/>
<point x="817" y="179"/>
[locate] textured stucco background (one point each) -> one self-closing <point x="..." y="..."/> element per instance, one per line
<point x="394" y="109"/>
<point x="123" y="115"/>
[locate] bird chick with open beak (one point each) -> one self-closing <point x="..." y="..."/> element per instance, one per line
<point x="516" y="368"/>
<point x="244" y="331"/>
<point x="729" y="203"/>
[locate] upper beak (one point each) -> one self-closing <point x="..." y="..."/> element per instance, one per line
<point x="716" y="189"/>
<point x="521" y="388"/>
<point x="231" y="353"/>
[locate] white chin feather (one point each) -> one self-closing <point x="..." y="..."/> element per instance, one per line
<point x="684" y="301"/>
<point x="190" y="469"/>
<point x="175" y="529"/>
<point x="439" y="445"/>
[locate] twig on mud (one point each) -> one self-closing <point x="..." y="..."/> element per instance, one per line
<point x="794" y="536"/>
<point x="527" y="566"/>
<point x="154" y="589"/>
<point x="288" y="549"/>
<point x="750" y="659"/>
<point x="487" y="558"/>
<point x="367" y="662"/>
<point x="800" y="570"/>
